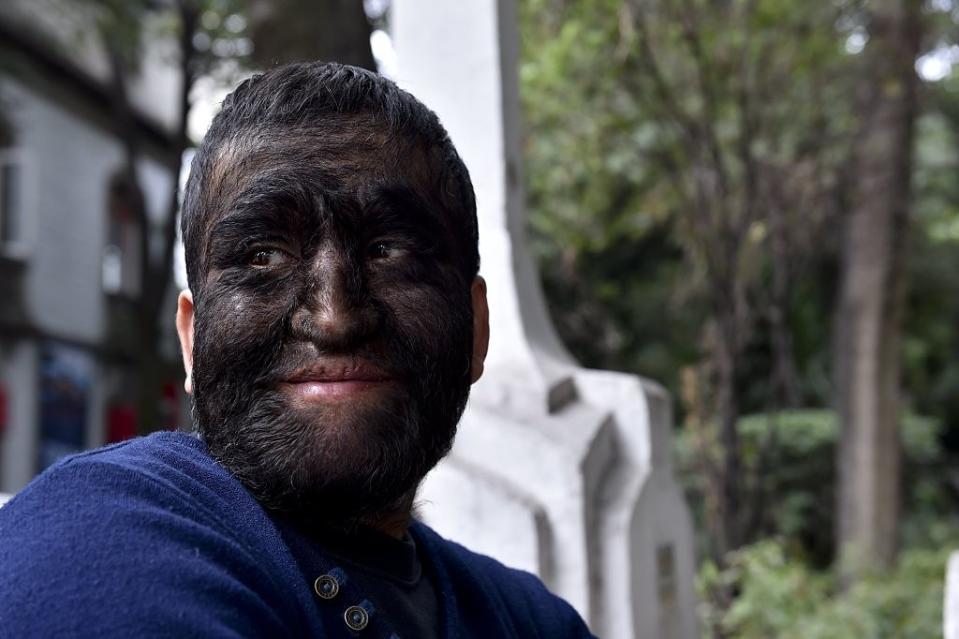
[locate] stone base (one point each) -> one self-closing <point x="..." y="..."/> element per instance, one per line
<point x="582" y="496"/>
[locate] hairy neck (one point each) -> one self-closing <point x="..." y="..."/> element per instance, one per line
<point x="393" y="522"/>
<point x="396" y="521"/>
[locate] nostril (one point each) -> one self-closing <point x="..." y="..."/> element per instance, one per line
<point x="338" y="326"/>
<point x="335" y="322"/>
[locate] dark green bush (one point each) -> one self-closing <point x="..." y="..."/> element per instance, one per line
<point x="789" y="476"/>
<point x="779" y="595"/>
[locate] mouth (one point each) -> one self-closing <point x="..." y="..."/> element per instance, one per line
<point x="335" y="379"/>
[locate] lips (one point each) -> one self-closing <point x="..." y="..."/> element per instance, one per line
<point x="335" y="378"/>
<point x="338" y="370"/>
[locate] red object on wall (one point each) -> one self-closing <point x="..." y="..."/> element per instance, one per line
<point x="121" y="423"/>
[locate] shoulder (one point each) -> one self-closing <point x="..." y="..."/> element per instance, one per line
<point x="162" y="475"/>
<point x="532" y="609"/>
<point x="157" y="455"/>
<point x="146" y="535"/>
<point x="97" y="482"/>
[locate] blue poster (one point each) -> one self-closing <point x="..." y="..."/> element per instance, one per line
<point x="66" y="377"/>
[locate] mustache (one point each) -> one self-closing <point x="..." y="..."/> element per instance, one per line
<point x="304" y="360"/>
<point x="288" y="348"/>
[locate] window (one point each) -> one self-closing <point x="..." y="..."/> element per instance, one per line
<point x="121" y="255"/>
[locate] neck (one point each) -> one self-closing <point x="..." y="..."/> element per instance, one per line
<point x="396" y="521"/>
<point x="393" y="524"/>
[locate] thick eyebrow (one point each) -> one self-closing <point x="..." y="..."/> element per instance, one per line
<point x="397" y="206"/>
<point x="263" y="206"/>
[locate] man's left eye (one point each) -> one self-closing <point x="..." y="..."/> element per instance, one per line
<point x="267" y="257"/>
<point x="383" y="250"/>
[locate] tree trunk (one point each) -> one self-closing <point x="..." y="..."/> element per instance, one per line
<point x="727" y="411"/>
<point x="718" y="409"/>
<point x="867" y="335"/>
<point x="157" y="270"/>
<point x="286" y="31"/>
<point x="786" y="387"/>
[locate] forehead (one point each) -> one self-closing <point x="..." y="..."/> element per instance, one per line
<point x="345" y="160"/>
<point x="304" y="171"/>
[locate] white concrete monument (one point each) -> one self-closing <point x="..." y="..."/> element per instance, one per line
<point x="950" y="602"/>
<point x="558" y="470"/>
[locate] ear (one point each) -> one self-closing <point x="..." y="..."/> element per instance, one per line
<point x="480" y="328"/>
<point x="184" y="328"/>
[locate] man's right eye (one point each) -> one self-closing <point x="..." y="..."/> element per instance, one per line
<point x="267" y="258"/>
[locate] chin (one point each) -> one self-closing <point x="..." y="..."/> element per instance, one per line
<point x="331" y="463"/>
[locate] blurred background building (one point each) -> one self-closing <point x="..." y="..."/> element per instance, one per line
<point x="71" y="235"/>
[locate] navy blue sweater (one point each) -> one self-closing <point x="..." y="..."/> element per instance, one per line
<point x="152" y="538"/>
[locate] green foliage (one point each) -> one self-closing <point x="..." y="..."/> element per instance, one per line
<point x="782" y="585"/>
<point x="779" y="595"/>
<point x="216" y="29"/>
<point x="930" y="364"/>
<point x="789" y="461"/>
<point x="605" y="166"/>
<point x="648" y="193"/>
<point x="637" y="266"/>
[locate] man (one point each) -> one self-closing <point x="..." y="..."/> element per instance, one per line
<point x="334" y="324"/>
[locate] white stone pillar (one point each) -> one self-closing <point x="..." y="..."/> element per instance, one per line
<point x="950" y="604"/>
<point x="19" y="441"/>
<point x="460" y="59"/>
<point x="558" y="470"/>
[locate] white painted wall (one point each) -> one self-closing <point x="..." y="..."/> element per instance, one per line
<point x="950" y="607"/>
<point x="19" y="371"/>
<point x="67" y="166"/>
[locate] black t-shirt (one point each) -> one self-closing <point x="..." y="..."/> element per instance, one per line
<point x="387" y="569"/>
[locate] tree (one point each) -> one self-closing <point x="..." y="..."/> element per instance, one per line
<point x="295" y="30"/>
<point x="869" y="314"/>
<point x="714" y="126"/>
<point x="196" y="24"/>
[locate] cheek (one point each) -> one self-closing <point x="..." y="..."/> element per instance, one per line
<point x="433" y="317"/>
<point x="232" y="320"/>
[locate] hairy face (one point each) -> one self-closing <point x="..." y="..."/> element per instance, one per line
<point x="333" y="326"/>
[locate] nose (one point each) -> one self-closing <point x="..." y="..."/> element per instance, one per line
<point x="335" y="313"/>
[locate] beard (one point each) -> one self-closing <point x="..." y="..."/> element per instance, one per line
<point x="334" y="464"/>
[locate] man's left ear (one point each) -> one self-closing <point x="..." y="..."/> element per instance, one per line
<point x="480" y="328"/>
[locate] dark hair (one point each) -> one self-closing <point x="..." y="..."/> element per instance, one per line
<point x="326" y="96"/>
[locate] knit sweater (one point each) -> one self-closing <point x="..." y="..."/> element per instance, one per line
<point x="153" y="538"/>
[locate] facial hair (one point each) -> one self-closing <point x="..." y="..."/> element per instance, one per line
<point x="343" y="463"/>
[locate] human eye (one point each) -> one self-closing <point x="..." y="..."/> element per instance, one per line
<point x="267" y="257"/>
<point x="385" y="249"/>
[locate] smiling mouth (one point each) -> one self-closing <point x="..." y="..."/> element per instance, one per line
<point x="335" y="379"/>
